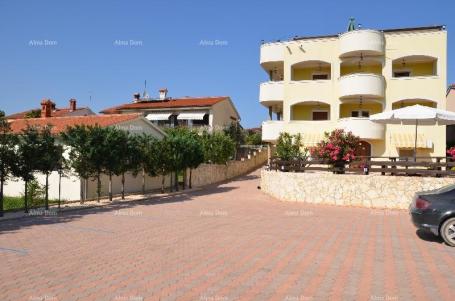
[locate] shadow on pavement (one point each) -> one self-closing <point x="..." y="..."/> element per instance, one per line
<point x="428" y="236"/>
<point x="12" y="225"/>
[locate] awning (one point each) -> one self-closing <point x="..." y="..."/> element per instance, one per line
<point x="407" y="140"/>
<point x="191" y="116"/>
<point x="311" y="139"/>
<point x="158" y="116"/>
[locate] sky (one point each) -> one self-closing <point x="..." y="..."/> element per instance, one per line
<point x="101" y="52"/>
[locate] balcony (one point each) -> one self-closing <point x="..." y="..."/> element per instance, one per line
<point x="271" y="53"/>
<point x="365" y="41"/>
<point x="271" y="93"/>
<point x="271" y="130"/>
<point x="367" y="85"/>
<point x="362" y="127"/>
<point x="422" y="87"/>
<point x="311" y="131"/>
<point x="310" y="90"/>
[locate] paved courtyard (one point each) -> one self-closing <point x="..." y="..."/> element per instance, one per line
<point x="227" y="242"/>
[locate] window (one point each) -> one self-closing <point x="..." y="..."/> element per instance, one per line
<point x="320" y="115"/>
<point x="401" y="74"/>
<point x="318" y="76"/>
<point x="360" y="114"/>
<point x="203" y="122"/>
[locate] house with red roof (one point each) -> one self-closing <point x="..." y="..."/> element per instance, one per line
<point x="60" y="121"/>
<point x="49" y="109"/>
<point x="74" y="186"/>
<point x="132" y="122"/>
<point x="214" y="112"/>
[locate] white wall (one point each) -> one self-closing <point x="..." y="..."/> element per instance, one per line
<point x="70" y="187"/>
<point x="132" y="184"/>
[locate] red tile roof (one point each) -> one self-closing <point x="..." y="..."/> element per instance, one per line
<point x="55" y="113"/>
<point x="169" y="103"/>
<point x="59" y="124"/>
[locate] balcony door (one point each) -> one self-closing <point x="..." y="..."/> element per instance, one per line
<point x="363" y="150"/>
<point x="320" y="115"/>
<point x="360" y="113"/>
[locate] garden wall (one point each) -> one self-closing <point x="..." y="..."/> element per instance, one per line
<point x="371" y="191"/>
<point x="203" y="175"/>
<point x="133" y="184"/>
<point x="207" y="174"/>
<point x="70" y="186"/>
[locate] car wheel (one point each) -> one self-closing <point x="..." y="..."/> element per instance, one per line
<point x="448" y="231"/>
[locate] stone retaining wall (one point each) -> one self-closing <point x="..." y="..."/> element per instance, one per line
<point x="214" y="173"/>
<point x="372" y="191"/>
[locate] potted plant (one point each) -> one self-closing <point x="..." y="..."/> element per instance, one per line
<point x="289" y="150"/>
<point x="338" y="148"/>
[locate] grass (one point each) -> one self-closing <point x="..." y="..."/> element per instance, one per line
<point x="17" y="203"/>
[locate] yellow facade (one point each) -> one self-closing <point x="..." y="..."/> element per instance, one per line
<point x="354" y="75"/>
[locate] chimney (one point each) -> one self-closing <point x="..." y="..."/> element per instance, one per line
<point x="136" y="97"/>
<point x="163" y="94"/>
<point x="72" y="104"/>
<point x="46" y="108"/>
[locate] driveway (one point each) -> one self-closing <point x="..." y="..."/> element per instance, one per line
<point x="226" y="242"/>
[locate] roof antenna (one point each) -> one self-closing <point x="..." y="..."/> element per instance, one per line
<point x="145" y="95"/>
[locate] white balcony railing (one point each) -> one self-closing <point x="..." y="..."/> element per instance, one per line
<point x="362" y="84"/>
<point x="362" y="127"/>
<point x="272" y="52"/>
<point x="365" y="41"/>
<point x="271" y="93"/>
<point x="271" y="129"/>
<point x="421" y="87"/>
<point x="310" y="90"/>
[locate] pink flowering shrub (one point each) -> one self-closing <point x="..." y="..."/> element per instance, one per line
<point x="451" y="152"/>
<point x="338" y="146"/>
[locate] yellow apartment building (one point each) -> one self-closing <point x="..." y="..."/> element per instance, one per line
<point x="316" y="84"/>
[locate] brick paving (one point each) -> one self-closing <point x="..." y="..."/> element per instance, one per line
<point x="226" y="242"/>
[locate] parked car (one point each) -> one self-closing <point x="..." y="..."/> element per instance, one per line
<point x="435" y="211"/>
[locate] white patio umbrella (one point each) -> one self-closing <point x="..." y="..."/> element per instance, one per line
<point x="415" y="114"/>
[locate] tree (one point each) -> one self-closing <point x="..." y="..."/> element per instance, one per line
<point x="98" y="150"/>
<point x="47" y="157"/>
<point x="289" y="147"/>
<point x="77" y="140"/>
<point x="218" y="148"/>
<point x="194" y="155"/>
<point x="145" y="149"/>
<point x="176" y="139"/>
<point x="118" y="155"/>
<point x="8" y="154"/>
<point x="27" y="160"/>
<point x="236" y="133"/>
<point x="253" y="138"/>
<point x="163" y="160"/>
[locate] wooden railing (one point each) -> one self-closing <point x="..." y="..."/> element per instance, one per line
<point x="423" y="166"/>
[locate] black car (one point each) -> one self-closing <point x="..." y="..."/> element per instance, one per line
<point x="435" y="211"/>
